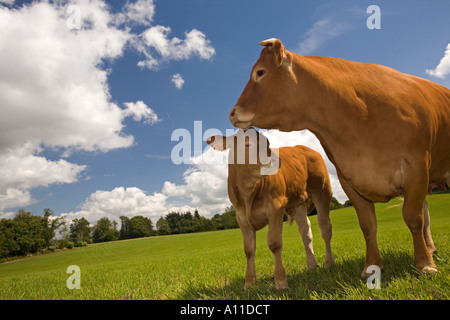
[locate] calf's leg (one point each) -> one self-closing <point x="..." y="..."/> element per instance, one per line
<point x="275" y="243"/>
<point x="322" y="203"/>
<point x="249" y="236"/>
<point x="427" y="230"/>
<point x="304" y="227"/>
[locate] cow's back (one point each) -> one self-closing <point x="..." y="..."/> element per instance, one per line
<point x="386" y="110"/>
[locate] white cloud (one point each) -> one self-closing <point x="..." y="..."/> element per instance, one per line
<point x="140" y="111"/>
<point x="140" y="12"/>
<point x="204" y="187"/>
<point x="11" y="197"/>
<point x="54" y="94"/>
<point x="443" y="68"/>
<point x="321" y="31"/>
<point x="54" y="86"/>
<point x="157" y="39"/>
<point x="120" y="202"/>
<point x="21" y="170"/>
<point x="53" y="89"/>
<point x="178" y="81"/>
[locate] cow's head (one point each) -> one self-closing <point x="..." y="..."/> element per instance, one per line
<point x="269" y="94"/>
<point x="250" y="150"/>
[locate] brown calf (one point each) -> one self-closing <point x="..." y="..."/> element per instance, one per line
<point x="262" y="190"/>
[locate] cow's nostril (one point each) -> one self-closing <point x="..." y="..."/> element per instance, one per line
<point x="232" y="113"/>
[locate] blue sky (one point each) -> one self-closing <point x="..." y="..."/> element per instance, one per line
<point x="76" y="166"/>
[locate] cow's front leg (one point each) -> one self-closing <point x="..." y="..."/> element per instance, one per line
<point x="416" y="182"/>
<point x="249" y="236"/>
<point x="275" y="243"/>
<point x="365" y="210"/>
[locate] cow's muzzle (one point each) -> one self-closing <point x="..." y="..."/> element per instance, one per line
<point x="239" y="119"/>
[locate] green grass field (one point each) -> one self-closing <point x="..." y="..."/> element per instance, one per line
<point x="211" y="265"/>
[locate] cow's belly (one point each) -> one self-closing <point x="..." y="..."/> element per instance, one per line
<point x="377" y="182"/>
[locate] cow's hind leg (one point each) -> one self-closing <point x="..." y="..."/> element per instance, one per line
<point x="304" y="227"/>
<point x="275" y="243"/>
<point x="368" y="222"/>
<point x="322" y="203"/>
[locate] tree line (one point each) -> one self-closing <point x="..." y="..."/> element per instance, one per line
<point x="28" y="234"/>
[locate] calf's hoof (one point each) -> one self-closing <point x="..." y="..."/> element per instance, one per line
<point x="280" y="285"/>
<point x="428" y="271"/>
<point x="329" y="262"/>
<point x="372" y="270"/>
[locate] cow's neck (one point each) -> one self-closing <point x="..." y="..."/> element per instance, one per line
<point x="332" y="110"/>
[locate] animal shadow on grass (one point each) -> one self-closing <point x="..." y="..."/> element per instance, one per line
<point x="305" y="284"/>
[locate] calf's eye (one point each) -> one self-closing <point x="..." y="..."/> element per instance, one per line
<point x="260" y="73"/>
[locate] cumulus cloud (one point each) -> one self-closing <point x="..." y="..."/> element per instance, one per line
<point x="140" y="12"/>
<point x="204" y="186"/>
<point x="140" y="111"/>
<point x="443" y="68"/>
<point x="157" y="40"/>
<point x="54" y="85"/>
<point x="178" y="80"/>
<point x="321" y="31"/>
<point x="54" y="92"/>
<point x="204" y="189"/>
<point x="21" y="170"/>
<point x="118" y="202"/>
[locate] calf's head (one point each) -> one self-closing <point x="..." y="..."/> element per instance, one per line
<point x="269" y="95"/>
<point x="249" y="150"/>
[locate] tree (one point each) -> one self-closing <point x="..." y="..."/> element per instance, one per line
<point x="174" y="220"/>
<point x="125" y="228"/>
<point x="141" y="227"/>
<point x="80" y="230"/>
<point x="8" y="237"/>
<point x="163" y="226"/>
<point x="104" y="231"/>
<point x="335" y="204"/>
<point x="49" y="225"/>
<point x="226" y="220"/>
<point x="28" y="232"/>
<point x="136" y="227"/>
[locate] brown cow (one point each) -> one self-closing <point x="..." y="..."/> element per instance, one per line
<point x="387" y="133"/>
<point x="261" y="196"/>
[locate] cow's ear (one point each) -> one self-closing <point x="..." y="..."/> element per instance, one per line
<point x="277" y="48"/>
<point x="217" y="142"/>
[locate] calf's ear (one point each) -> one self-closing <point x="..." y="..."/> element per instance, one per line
<point x="217" y="142"/>
<point x="277" y="48"/>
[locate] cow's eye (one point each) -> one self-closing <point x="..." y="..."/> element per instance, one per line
<point x="260" y="73"/>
